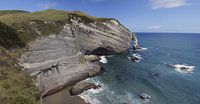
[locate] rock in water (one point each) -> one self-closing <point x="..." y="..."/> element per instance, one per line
<point x="67" y="49"/>
<point x="135" y="42"/>
<point x="135" y="57"/>
<point x="82" y="86"/>
<point x="145" y="97"/>
<point x="182" y="68"/>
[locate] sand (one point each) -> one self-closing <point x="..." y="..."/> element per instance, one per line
<point x="63" y="97"/>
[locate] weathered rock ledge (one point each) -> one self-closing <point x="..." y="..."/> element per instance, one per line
<point x="59" y="60"/>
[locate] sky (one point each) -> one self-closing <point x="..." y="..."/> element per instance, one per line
<point x="138" y="15"/>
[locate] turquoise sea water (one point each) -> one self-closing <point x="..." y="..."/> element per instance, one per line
<point x="124" y="80"/>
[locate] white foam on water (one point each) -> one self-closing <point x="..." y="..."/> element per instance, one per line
<point x="141" y="49"/>
<point x="89" y="99"/>
<point x="137" y="55"/>
<point x="88" y="95"/>
<point x="103" y="59"/>
<point x="128" y="98"/>
<point x="183" y="68"/>
<point x="91" y="96"/>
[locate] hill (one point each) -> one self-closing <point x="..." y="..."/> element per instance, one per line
<point x="4" y="12"/>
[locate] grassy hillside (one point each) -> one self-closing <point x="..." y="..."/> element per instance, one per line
<point x="47" y="15"/>
<point x="3" y="12"/>
<point x="16" y="87"/>
<point x="29" y="26"/>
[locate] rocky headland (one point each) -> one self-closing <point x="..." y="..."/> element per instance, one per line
<point x="61" y="51"/>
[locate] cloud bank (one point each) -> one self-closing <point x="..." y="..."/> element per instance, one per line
<point x="157" y="4"/>
<point x="155" y="27"/>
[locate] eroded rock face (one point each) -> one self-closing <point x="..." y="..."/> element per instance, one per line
<point x="58" y="60"/>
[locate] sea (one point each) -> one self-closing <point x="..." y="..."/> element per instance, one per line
<point x="158" y="73"/>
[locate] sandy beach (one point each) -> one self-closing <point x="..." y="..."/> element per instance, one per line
<point x="63" y="97"/>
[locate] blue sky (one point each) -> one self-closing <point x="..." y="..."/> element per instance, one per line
<point x="137" y="15"/>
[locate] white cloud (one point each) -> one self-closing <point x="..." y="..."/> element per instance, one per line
<point x="47" y="5"/>
<point x="157" y="4"/>
<point x="155" y="27"/>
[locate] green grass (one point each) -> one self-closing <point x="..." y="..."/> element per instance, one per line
<point x="16" y="87"/>
<point x="9" y="38"/>
<point x="47" y="15"/>
<point x="4" y="12"/>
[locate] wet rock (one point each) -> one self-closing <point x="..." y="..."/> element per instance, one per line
<point x="182" y="68"/>
<point x="145" y="97"/>
<point x="134" y="58"/>
<point x="155" y="74"/>
<point x="82" y="86"/>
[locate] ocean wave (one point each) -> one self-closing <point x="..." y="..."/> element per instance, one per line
<point x="103" y="59"/>
<point x="88" y="96"/>
<point x="135" y="57"/>
<point x="183" y="68"/>
<point x="141" y="49"/>
<point x="128" y="98"/>
<point x="93" y="96"/>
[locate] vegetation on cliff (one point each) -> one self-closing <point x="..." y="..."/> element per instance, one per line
<point x="29" y="26"/>
<point x="16" y="87"/>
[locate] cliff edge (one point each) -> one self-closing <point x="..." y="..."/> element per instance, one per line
<point x="58" y="42"/>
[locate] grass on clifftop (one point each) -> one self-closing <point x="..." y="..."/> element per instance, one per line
<point x="29" y="26"/>
<point x="4" y="12"/>
<point x="47" y="15"/>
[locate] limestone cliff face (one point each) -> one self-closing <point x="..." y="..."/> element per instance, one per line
<point x="58" y="60"/>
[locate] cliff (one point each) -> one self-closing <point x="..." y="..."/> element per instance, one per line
<point x="58" y="43"/>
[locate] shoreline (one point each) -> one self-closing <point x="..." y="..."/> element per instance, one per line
<point x="63" y="97"/>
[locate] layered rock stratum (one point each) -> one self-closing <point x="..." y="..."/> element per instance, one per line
<point x="57" y="60"/>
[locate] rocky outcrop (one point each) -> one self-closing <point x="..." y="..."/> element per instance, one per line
<point x="58" y="60"/>
<point x="135" y="41"/>
<point x="82" y="86"/>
